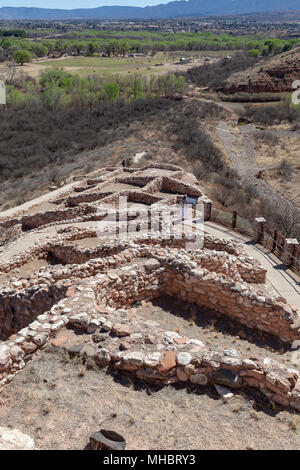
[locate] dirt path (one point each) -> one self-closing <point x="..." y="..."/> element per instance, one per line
<point x="39" y="200"/>
<point x="239" y="146"/>
<point x="195" y="94"/>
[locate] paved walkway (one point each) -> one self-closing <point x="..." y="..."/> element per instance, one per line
<point x="28" y="240"/>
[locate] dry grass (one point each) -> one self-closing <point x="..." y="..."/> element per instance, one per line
<point x="269" y="155"/>
<point x="62" y="412"/>
<point x="293" y="423"/>
<point x="47" y="408"/>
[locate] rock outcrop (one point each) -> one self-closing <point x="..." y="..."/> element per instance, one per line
<point x="276" y="75"/>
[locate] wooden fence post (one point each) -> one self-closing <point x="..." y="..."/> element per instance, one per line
<point x="234" y="218"/>
<point x="275" y="240"/>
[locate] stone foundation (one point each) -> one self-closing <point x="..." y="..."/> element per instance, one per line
<point x="91" y="288"/>
<point x="142" y="348"/>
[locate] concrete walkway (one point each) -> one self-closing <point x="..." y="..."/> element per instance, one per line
<point x="28" y="240"/>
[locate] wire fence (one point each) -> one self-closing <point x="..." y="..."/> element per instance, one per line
<point x="232" y="219"/>
<point x="271" y="239"/>
<point x="222" y="216"/>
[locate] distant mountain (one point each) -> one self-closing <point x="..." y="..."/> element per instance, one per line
<point x="173" y="9"/>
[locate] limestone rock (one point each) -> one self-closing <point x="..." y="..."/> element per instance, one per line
<point x="29" y="347"/>
<point x="152" y="359"/>
<point x="183" y="358"/>
<point x="181" y="374"/>
<point x="198" y="379"/>
<point x="13" y="439"/>
<point x="120" y="329"/>
<point x="17" y="353"/>
<point x="135" y="358"/>
<point x="102" y="357"/>
<point x="5" y="357"/>
<point x="224" y="392"/>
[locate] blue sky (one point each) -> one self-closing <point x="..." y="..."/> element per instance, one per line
<point x="71" y="4"/>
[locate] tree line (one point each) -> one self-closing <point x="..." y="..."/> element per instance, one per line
<point x="109" y="43"/>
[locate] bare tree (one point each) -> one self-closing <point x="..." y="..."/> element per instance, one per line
<point x="284" y="216"/>
<point x="12" y="75"/>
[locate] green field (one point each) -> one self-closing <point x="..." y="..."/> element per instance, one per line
<point x="85" y="66"/>
<point x="105" y="66"/>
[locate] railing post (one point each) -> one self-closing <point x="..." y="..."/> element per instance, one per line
<point x="274" y="240"/>
<point x="258" y="229"/>
<point x="289" y="249"/>
<point x="207" y="207"/>
<point x="234" y="217"/>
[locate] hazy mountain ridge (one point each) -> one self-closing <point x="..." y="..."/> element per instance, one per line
<point x="169" y="10"/>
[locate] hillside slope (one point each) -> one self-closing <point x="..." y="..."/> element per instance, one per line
<point x="275" y="75"/>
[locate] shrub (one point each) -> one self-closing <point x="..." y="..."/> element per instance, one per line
<point x="22" y="56"/>
<point x="254" y="52"/>
<point x="196" y="144"/>
<point x="272" y="114"/>
<point x="285" y="170"/>
<point x="243" y="97"/>
<point x="215" y="75"/>
<point x="55" y="76"/>
<point x="112" y="91"/>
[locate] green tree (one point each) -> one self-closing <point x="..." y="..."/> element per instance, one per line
<point x="112" y="90"/>
<point x="21" y="57"/>
<point x="77" y="47"/>
<point x="91" y="48"/>
<point x="40" y="50"/>
<point x="55" y="76"/>
<point x="124" y="47"/>
<point x="254" y="52"/>
<point x="61" y="47"/>
<point x="112" y="47"/>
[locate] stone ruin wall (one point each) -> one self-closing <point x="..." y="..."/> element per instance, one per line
<point x="239" y="269"/>
<point x="19" y="309"/>
<point x="65" y="215"/>
<point x="87" y="211"/>
<point x="65" y="235"/>
<point x="197" y="284"/>
<point x="207" y="289"/>
<point x="238" y="302"/>
<point x="143" y="348"/>
<point x="173" y="185"/>
<point x="33" y="310"/>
